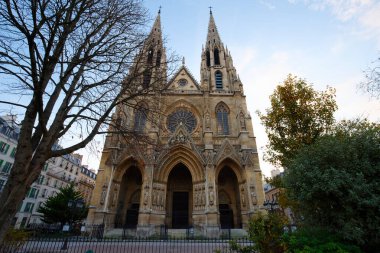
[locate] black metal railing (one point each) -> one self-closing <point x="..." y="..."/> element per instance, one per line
<point x="142" y="245"/>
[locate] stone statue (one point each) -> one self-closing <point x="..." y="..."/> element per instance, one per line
<point x="253" y="196"/>
<point x="242" y="121"/>
<point x="146" y="194"/>
<point x="115" y="193"/>
<point x="103" y="195"/>
<point x="207" y="121"/>
<point x="242" y="196"/>
<point x="211" y="196"/>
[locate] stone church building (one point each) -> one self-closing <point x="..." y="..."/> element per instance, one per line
<point x="202" y="170"/>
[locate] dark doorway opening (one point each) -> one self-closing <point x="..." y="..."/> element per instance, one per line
<point x="180" y="210"/>
<point x="226" y="216"/>
<point x="132" y="217"/>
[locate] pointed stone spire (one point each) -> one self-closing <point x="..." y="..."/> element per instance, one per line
<point x="156" y="29"/>
<point x="212" y="35"/>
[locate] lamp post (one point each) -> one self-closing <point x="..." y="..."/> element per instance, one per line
<point x="73" y="206"/>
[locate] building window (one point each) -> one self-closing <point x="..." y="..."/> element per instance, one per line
<point x="7" y="167"/>
<point x="140" y="118"/>
<point x="29" y="207"/>
<point x="40" y="179"/>
<point x="218" y="80"/>
<point x="32" y="193"/>
<point x="23" y="222"/>
<point x="44" y="193"/>
<point x="2" y="184"/>
<point x="13" y="153"/>
<point x="183" y="117"/>
<point x="216" y="57"/>
<point x="4" y="147"/>
<point x="222" y="119"/>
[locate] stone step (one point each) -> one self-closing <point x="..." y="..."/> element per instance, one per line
<point x="177" y="233"/>
<point x="238" y="233"/>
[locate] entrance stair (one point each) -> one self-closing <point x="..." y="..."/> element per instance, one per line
<point x="177" y="233"/>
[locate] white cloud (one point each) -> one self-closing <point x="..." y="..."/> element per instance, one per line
<point x="267" y="4"/>
<point x="364" y="13"/>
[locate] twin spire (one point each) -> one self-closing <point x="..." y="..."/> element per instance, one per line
<point x="213" y="37"/>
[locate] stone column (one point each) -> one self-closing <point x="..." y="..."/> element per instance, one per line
<point x="212" y="216"/>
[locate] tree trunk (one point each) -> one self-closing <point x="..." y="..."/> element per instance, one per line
<point x="24" y="172"/>
<point x="12" y="199"/>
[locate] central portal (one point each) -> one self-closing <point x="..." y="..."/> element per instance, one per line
<point x="180" y="212"/>
<point x="179" y="198"/>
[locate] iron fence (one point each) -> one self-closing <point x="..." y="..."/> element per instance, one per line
<point x="143" y="245"/>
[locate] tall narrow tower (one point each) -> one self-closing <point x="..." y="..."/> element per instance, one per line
<point x="217" y="70"/>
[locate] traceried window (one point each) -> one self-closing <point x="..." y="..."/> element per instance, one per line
<point x="216" y="57"/>
<point x="158" y="59"/>
<point x="150" y="56"/>
<point x="218" y="80"/>
<point x="184" y="117"/>
<point x="140" y="118"/>
<point x="208" y="58"/>
<point x="222" y="119"/>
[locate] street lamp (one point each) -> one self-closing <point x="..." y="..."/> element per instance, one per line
<point x="73" y="205"/>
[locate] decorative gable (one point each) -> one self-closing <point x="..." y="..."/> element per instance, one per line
<point x="183" y="80"/>
<point x="227" y="151"/>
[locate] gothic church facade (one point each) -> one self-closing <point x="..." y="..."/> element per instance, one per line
<point x="203" y="171"/>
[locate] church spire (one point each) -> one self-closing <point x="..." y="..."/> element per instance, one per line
<point x="154" y="56"/>
<point x="212" y="35"/>
<point x="217" y="70"/>
<point x="156" y="29"/>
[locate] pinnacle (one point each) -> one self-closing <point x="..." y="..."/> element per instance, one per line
<point x="212" y="35"/>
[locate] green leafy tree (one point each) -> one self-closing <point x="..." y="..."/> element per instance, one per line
<point x="267" y="233"/>
<point x="336" y="182"/>
<point x="313" y="240"/>
<point x="297" y="116"/>
<point x="56" y="208"/>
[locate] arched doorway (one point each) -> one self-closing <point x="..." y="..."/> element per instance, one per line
<point x="179" y="197"/>
<point x="129" y="199"/>
<point x="228" y="199"/>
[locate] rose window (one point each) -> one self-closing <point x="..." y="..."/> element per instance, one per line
<point x="181" y="117"/>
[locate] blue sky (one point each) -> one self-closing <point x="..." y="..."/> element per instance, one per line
<point x="327" y="42"/>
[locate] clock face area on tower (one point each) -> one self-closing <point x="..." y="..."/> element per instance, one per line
<point x="181" y="116"/>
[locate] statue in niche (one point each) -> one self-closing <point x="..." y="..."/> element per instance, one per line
<point x="146" y="194"/>
<point x="253" y="196"/>
<point x="242" y="196"/>
<point x="103" y="195"/>
<point x="115" y="193"/>
<point x="211" y="196"/>
<point x="154" y="197"/>
<point x="242" y="121"/>
<point x="207" y="121"/>
<point x="161" y="194"/>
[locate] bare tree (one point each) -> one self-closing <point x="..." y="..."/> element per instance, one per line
<point x="70" y="58"/>
<point x="372" y="83"/>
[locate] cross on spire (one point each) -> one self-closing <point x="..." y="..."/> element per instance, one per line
<point x="210" y="7"/>
<point x="159" y="9"/>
